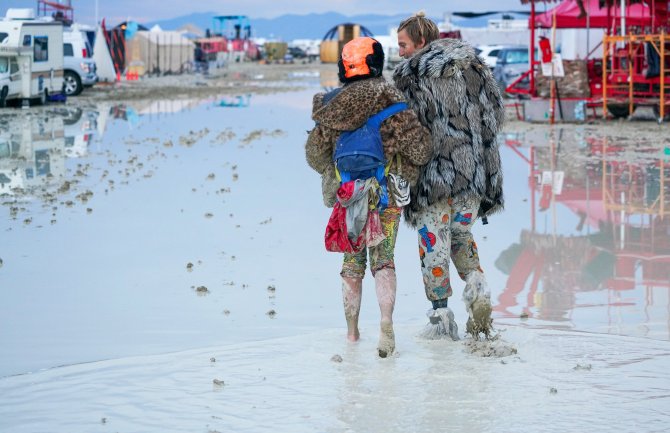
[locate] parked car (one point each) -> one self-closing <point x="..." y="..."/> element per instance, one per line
<point x="297" y="52"/>
<point x="512" y="62"/>
<point x="489" y="53"/>
<point x="79" y="68"/>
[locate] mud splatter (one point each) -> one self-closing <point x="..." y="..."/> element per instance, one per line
<point x="495" y="347"/>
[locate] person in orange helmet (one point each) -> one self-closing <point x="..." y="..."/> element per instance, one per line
<point x="405" y="145"/>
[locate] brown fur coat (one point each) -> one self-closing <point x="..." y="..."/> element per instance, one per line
<point x="348" y="110"/>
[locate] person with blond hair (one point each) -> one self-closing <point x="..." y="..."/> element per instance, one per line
<point x="456" y="97"/>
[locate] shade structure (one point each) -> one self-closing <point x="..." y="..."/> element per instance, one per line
<point x="567" y="16"/>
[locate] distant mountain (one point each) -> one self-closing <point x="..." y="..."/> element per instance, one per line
<point x="290" y="27"/>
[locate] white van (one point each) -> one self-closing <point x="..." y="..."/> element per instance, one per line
<point x="31" y="57"/>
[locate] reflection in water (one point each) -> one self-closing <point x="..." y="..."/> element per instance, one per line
<point x="620" y="243"/>
<point x="80" y="126"/>
<point x="31" y="155"/>
<point x="34" y="149"/>
<point x="234" y="101"/>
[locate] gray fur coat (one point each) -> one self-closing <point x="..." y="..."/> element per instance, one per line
<point x="454" y="94"/>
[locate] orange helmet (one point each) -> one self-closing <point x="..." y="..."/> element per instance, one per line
<point x="361" y="58"/>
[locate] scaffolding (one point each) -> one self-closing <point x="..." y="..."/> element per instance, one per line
<point x="627" y="82"/>
<point x="59" y="10"/>
<point x="636" y="187"/>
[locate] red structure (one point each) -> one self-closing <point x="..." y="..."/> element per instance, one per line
<point x="635" y="68"/>
<point x="60" y="10"/>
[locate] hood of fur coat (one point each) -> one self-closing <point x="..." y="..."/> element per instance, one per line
<point x="456" y="97"/>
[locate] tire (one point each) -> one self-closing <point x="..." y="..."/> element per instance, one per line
<point x="619" y="110"/>
<point x="71" y="116"/>
<point x="3" y="97"/>
<point x="72" y="84"/>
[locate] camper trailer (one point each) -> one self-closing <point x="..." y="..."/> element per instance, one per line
<point x="31" y="57"/>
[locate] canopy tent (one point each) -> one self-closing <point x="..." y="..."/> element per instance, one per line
<point x="568" y="15"/>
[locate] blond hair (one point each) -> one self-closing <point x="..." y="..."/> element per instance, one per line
<point x="419" y="28"/>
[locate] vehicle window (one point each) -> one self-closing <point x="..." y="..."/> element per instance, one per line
<point x="68" y="50"/>
<point x="27" y="40"/>
<point x="41" y="49"/>
<point x="89" y="50"/>
<point x="3" y="36"/>
<point x="517" y="56"/>
<point x="4" y="65"/>
<point x="494" y="53"/>
<point x="13" y="67"/>
<point x="477" y="51"/>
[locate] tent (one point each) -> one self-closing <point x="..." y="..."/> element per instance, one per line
<point x="158" y="51"/>
<point x="567" y="16"/>
<point x="103" y="58"/>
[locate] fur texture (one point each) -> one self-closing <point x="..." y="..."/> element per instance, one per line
<point x="455" y="96"/>
<point x="401" y="133"/>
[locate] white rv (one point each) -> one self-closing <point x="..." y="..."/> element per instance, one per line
<point x="31" y="57"/>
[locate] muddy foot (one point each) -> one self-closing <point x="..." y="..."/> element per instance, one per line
<point x="480" y="321"/>
<point x="386" y="344"/>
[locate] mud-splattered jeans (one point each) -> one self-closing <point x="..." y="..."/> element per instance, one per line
<point x="444" y="233"/>
<point x="381" y="255"/>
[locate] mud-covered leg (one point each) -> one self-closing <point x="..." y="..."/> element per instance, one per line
<point x="352" y="290"/>
<point x="385" y="286"/>
<point x="434" y="252"/>
<point x="465" y="256"/>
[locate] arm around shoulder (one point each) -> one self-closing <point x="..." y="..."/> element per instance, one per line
<point x="413" y="139"/>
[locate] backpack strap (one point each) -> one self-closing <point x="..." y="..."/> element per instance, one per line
<point x="376" y="119"/>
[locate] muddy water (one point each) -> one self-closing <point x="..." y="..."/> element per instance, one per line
<point x="151" y="227"/>
<point x="590" y="247"/>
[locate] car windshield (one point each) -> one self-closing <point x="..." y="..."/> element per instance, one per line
<point x="4" y="65"/>
<point x="516" y="56"/>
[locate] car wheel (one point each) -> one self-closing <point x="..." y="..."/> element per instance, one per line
<point x="71" y="84"/>
<point x="3" y="97"/>
<point x="71" y="115"/>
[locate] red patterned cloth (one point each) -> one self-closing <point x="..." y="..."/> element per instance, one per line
<point x="339" y="238"/>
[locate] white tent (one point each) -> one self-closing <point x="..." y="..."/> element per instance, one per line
<point x="103" y="60"/>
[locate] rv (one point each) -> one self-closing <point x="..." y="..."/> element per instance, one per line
<point x="31" y="57"/>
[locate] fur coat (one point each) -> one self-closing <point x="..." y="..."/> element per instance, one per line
<point x="455" y="95"/>
<point x="350" y="109"/>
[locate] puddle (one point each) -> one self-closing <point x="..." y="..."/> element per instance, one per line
<point x="103" y="205"/>
<point x="593" y="248"/>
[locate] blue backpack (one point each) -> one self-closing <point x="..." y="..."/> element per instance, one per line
<point x="359" y="154"/>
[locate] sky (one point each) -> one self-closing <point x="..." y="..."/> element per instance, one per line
<point x="115" y="11"/>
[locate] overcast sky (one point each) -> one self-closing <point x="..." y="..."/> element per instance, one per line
<point x="116" y="11"/>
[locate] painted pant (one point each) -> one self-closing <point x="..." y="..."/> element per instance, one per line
<point x="381" y="255"/>
<point x="444" y="233"/>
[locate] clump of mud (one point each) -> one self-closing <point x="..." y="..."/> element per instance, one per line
<point x="494" y="347"/>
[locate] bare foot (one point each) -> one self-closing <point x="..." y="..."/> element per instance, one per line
<point x="353" y="336"/>
<point x="386" y="345"/>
